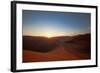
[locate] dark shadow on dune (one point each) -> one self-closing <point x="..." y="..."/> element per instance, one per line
<point x="38" y="44"/>
<point x="81" y="43"/>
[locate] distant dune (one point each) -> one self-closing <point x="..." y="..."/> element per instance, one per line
<point x="38" y="44"/>
<point x="37" y="49"/>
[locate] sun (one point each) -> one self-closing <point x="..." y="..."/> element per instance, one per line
<point x="48" y="35"/>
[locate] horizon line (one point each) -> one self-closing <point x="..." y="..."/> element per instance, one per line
<point x="58" y="36"/>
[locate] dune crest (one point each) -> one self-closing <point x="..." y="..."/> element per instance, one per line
<point x="40" y="49"/>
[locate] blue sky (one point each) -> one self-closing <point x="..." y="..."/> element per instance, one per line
<point x="49" y="23"/>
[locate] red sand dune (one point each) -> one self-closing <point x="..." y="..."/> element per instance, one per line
<point x="76" y="48"/>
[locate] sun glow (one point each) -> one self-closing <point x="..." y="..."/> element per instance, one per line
<point x="49" y="35"/>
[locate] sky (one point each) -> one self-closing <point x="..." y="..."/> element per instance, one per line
<point x="51" y="23"/>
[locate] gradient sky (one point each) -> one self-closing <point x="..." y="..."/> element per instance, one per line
<point x="49" y="23"/>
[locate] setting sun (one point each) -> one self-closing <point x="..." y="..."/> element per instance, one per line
<point x="49" y="35"/>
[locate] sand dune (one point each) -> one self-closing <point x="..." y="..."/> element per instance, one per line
<point x="57" y="48"/>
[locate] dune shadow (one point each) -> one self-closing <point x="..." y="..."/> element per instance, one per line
<point x="38" y="44"/>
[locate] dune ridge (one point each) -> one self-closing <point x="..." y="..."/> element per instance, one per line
<point x="41" y="49"/>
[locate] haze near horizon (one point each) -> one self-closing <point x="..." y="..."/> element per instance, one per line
<point x="51" y="24"/>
